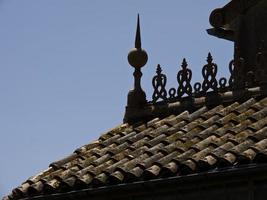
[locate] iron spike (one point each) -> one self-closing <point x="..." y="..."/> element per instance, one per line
<point x="138" y="35"/>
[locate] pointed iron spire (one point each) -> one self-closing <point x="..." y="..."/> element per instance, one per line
<point x="209" y="58"/>
<point x="136" y="100"/>
<point x="138" y="34"/>
<point x="137" y="57"/>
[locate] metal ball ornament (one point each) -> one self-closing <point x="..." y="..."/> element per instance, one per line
<point x="137" y="58"/>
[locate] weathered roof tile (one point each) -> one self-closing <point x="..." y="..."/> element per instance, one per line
<point x="208" y="138"/>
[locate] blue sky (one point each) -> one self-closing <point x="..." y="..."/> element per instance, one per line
<point x="64" y="75"/>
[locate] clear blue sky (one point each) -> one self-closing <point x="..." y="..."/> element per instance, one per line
<point x="64" y="75"/>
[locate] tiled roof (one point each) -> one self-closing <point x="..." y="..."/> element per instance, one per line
<point x="232" y="134"/>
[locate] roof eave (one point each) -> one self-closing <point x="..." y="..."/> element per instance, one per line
<point x="227" y="174"/>
<point x="222" y="33"/>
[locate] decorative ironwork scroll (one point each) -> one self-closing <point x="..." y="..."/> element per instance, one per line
<point x="209" y="72"/>
<point x="231" y="70"/>
<point x="197" y="88"/>
<point x="159" y="84"/>
<point x="184" y="77"/>
<point x="238" y="78"/>
<point x="172" y="93"/>
<point x="222" y="84"/>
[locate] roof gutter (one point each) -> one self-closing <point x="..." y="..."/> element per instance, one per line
<point x="144" y="187"/>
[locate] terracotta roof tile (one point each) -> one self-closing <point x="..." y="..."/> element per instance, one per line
<point x="226" y="135"/>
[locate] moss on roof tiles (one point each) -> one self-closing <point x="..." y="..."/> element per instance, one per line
<point x="177" y="145"/>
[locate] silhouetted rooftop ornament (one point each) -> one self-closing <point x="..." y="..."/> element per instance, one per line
<point x="209" y="72"/>
<point x="237" y="82"/>
<point x="185" y="89"/>
<point x="159" y="83"/>
<point x="184" y="77"/>
<point x="137" y="58"/>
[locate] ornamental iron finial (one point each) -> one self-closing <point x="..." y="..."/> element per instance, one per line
<point x="137" y="58"/>
<point x="138" y="34"/>
<point x="159" y="84"/>
<point x="209" y="72"/>
<point x="184" y="77"/>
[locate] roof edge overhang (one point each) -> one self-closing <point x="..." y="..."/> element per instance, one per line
<point x="222" y="33"/>
<point x="222" y="176"/>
